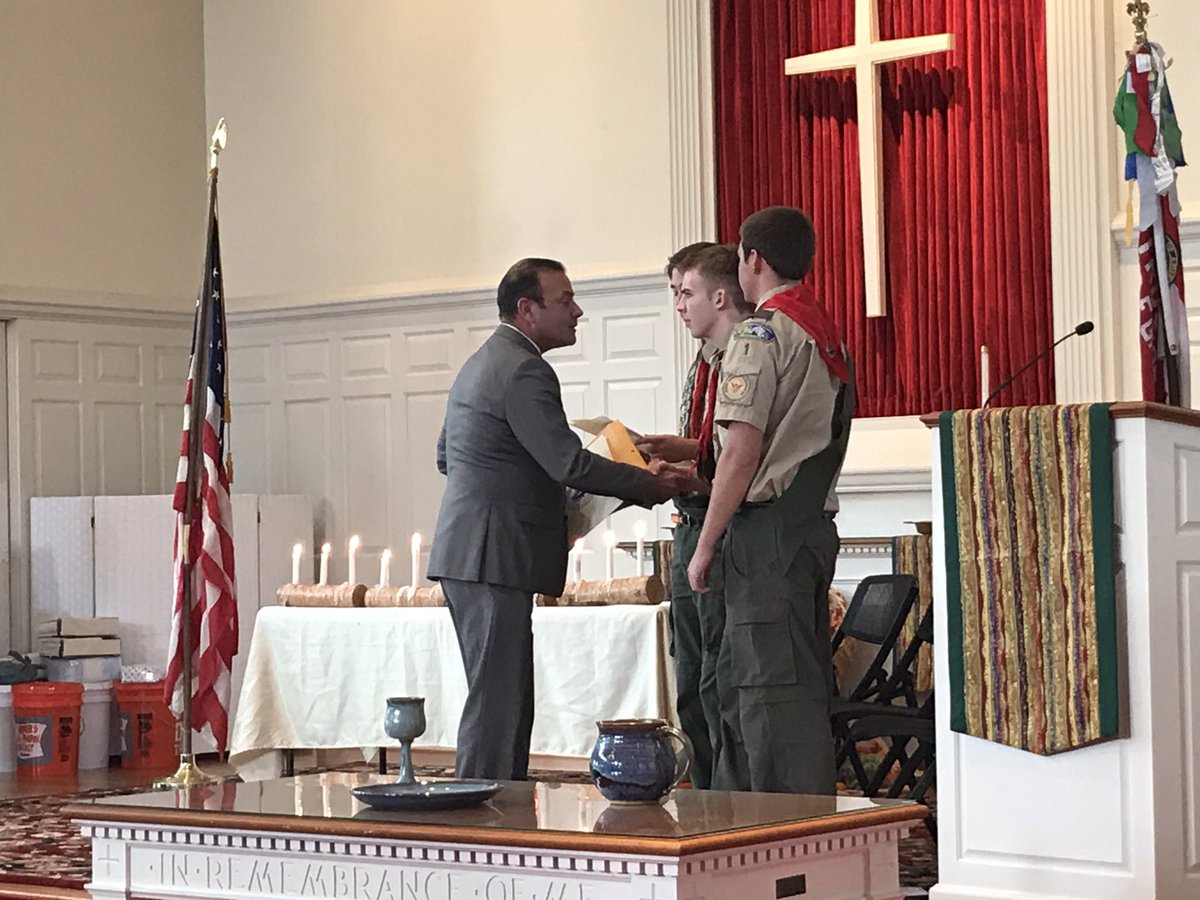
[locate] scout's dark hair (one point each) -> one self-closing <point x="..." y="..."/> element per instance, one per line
<point x="718" y="266"/>
<point x="524" y="279"/>
<point x="784" y="237"/>
<point x="680" y="258"/>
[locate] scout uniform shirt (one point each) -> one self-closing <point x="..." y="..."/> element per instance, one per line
<point x="774" y="378"/>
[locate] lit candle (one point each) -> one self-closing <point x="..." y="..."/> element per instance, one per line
<point x="325" y="548"/>
<point x="985" y="387"/>
<point x="352" y="572"/>
<point x="385" y="567"/>
<point x="639" y="533"/>
<point x="416" y="559"/>
<point x="297" y="552"/>
<point x="577" y="561"/>
<point x="610" y="543"/>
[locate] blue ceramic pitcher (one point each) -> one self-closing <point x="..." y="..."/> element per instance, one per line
<point x="639" y="760"/>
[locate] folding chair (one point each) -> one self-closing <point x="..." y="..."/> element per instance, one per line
<point x="877" y="613"/>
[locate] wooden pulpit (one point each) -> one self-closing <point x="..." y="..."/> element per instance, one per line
<point x="1108" y="813"/>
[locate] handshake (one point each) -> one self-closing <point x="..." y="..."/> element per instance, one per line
<point x="671" y="460"/>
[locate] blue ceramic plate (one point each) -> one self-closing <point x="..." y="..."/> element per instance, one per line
<point x="425" y="794"/>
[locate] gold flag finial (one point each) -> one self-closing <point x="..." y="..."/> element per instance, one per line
<point x="1138" y="10"/>
<point x="219" y="136"/>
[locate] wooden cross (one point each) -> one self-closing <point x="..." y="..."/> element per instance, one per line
<point x="863" y="56"/>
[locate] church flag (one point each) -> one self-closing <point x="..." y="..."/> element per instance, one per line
<point x="204" y="515"/>
<point x="1154" y="150"/>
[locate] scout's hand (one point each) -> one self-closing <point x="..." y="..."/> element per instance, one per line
<point x="670" y="447"/>
<point x="699" y="568"/>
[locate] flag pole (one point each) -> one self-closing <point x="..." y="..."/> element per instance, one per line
<point x="189" y="774"/>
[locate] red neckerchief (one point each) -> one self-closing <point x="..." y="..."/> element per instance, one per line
<point x="799" y="303"/>
<point x="704" y="404"/>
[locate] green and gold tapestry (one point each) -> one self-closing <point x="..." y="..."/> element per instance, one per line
<point x="912" y="554"/>
<point x="1031" y="609"/>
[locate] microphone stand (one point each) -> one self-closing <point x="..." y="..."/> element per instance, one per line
<point x="1013" y="377"/>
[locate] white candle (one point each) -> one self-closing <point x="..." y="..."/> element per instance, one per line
<point x="639" y="533"/>
<point x="610" y="543"/>
<point x="577" y="561"/>
<point x="416" y="559"/>
<point x="985" y="387"/>
<point x="297" y="552"/>
<point x="352" y="572"/>
<point x="325" y="548"/>
<point x="385" y="567"/>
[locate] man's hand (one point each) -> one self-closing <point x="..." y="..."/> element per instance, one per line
<point x="700" y="567"/>
<point x="669" y="447"/>
<point x="675" y="479"/>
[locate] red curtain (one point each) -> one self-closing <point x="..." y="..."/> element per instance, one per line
<point x="966" y="185"/>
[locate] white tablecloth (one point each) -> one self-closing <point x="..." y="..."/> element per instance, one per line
<point x="319" y="678"/>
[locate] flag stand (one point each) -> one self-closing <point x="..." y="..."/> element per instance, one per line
<point x="189" y="774"/>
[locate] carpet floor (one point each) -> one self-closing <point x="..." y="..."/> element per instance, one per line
<point x="40" y="846"/>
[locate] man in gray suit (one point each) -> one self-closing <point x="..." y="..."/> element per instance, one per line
<point x="507" y="452"/>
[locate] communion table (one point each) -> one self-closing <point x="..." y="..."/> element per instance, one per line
<point x="319" y="678"/>
<point x="309" y="837"/>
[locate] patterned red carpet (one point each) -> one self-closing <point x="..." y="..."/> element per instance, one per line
<point x="40" y="846"/>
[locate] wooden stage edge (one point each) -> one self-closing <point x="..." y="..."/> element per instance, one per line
<point x="19" y="891"/>
<point x="213" y="820"/>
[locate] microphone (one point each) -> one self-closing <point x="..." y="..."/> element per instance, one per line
<point x="1082" y="328"/>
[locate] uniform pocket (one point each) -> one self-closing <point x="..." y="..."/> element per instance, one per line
<point x="761" y="645"/>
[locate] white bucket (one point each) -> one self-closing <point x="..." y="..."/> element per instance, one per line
<point x="8" y="731"/>
<point x="96" y="718"/>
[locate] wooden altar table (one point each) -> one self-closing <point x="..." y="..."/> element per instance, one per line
<point x="309" y="837"/>
<point x="319" y="678"/>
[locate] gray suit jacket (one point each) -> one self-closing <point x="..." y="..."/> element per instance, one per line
<point x="507" y="452"/>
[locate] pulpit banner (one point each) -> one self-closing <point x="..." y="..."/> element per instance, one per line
<point x="1030" y="580"/>
<point x="912" y="554"/>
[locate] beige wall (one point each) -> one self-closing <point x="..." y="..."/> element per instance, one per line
<point x="102" y="139"/>
<point x="380" y="148"/>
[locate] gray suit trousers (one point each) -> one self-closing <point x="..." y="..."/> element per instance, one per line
<point x="495" y="634"/>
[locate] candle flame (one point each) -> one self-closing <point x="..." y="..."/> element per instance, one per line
<point x="579" y="545"/>
<point x="354" y="542"/>
<point x="298" y="551"/>
<point x="326" y="548"/>
<point x="610" y="539"/>
<point x="416" y="540"/>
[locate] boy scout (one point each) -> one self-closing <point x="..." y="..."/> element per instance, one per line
<point x="783" y="414"/>
<point x="708" y="298"/>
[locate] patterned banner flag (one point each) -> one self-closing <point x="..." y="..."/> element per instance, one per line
<point x="203" y="515"/>
<point x="1154" y="150"/>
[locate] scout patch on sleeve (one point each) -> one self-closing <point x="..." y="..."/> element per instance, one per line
<point x="758" y="331"/>
<point x="739" y="389"/>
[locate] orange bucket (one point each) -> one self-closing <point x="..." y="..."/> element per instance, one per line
<point x="149" y="737"/>
<point x="47" y="723"/>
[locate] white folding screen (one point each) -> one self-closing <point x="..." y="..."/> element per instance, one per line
<point x="127" y="556"/>
<point x="61" y="554"/>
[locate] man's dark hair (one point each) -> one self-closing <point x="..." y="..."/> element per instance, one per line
<point x="679" y="259"/>
<point x="718" y="266"/>
<point x="784" y="237"/>
<point x="524" y="279"/>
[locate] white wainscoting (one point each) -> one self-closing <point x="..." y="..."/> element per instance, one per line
<point x="344" y="403"/>
<point x="96" y="407"/>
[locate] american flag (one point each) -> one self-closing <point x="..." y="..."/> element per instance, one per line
<point x="212" y="620"/>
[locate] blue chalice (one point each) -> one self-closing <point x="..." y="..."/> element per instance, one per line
<point x="405" y="721"/>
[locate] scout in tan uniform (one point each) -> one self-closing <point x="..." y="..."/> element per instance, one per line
<point x="709" y="300"/>
<point x="784" y="407"/>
